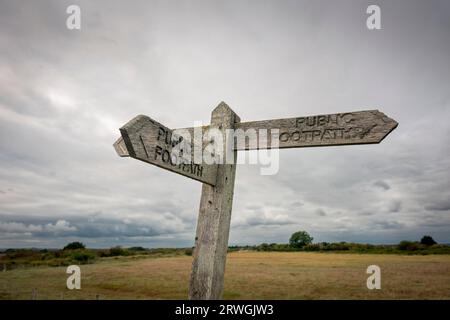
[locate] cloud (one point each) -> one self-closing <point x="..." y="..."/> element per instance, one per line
<point x="387" y="225"/>
<point x="395" y="206"/>
<point x="382" y="184"/>
<point x="366" y="213"/>
<point x="439" y="205"/>
<point x="321" y="212"/>
<point x="97" y="226"/>
<point x="18" y="227"/>
<point x="58" y="228"/>
<point x="264" y="219"/>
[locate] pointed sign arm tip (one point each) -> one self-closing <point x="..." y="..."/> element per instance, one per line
<point x="121" y="148"/>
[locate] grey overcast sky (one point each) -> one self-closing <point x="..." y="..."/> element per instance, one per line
<point x="64" y="94"/>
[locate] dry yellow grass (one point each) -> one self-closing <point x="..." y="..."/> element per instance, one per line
<point x="249" y="275"/>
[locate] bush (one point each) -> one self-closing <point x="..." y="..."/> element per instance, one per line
<point x="263" y="247"/>
<point x="427" y="241"/>
<point x="140" y="249"/>
<point x="339" y="246"/>
<point x="188" y="251"/>
<point x="25" y="254"/>
<point x="117" y="251"/>
<point x="403" y="245"/>
<point x="408" y="245"/>
<point x="312" y="247"/>
<point x="74" y="246"/>
<point x="82" y="256"/>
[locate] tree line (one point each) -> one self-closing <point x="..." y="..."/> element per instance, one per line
<point x="303" y="241"/>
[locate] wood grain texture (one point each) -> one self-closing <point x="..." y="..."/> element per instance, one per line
<point x="347" y="128"/>
<point x="213" y="225"/>
<point x="359" y="127"/>
<point x="121" y="148"/>
<point x="147" y="140"/>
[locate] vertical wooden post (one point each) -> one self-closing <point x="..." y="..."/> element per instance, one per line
<point x="213" y="225"/>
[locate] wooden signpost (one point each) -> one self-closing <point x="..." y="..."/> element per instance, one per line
<point x="147" y="140"/>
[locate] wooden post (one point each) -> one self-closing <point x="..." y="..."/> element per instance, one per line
<point x="213" y="226"/>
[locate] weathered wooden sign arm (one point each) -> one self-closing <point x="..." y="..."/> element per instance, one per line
<point x="348" y="128"/>
<point x="147" y="140"/>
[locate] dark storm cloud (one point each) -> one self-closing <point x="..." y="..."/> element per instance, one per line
<point x="64" y="94"/>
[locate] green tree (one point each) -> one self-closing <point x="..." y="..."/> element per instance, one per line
<point x="300" y="239"/>
<point x="74" y="245"/>
<point x="427" y="240"/>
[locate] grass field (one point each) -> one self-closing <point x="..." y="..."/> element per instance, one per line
<point x="249" y="275"/>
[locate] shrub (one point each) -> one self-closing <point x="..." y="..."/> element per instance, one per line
<point x="74" y="246"/>
<point x="403" y="245"/>
<point x="117" y="251"/>
<point x="408" y="245"/>
<point x="336" y="246"/>
<point x="25" y="254"/>
<point x="82" y="256"/>
<point x="427" y="241"/>
<point x="312" y="247"/>
<point x="140" y="249"/>
<point x="188" y="251"/>
<point x="263" y="247"/>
